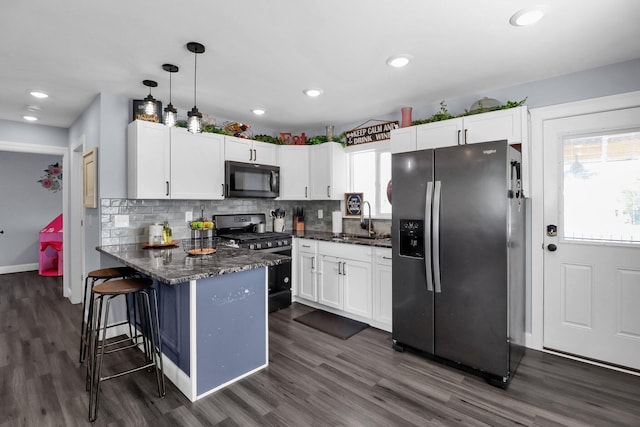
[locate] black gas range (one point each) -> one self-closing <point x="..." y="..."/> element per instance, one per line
<point x="243" y="231"/>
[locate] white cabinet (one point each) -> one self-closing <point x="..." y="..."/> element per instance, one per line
<point x="344" y="277"/>
<point x="249" y="151"/>
<point x="327" y="171"/>
<point x="382" y="290"/>
<point x="294" y="172"/>
<point x="306" y="270"/>
<point x="171" y="163"/>
<point x="330" y="289"/>
<point x="148" y="160"/>
<point x="197" y="165"/>
<point x="511" y="124"/>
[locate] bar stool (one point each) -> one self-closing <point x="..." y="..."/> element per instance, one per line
<point x="142" y="291"/>
<point x="102" y="274"/>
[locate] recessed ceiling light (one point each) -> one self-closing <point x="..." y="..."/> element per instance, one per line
<point x="399" y="61"/>
<point x="527" y="16"/>
<point x="258" y="111"/>
<point x="30" y="118"/>
<point x="33" y="108"/>
<point x="312" y="92"/>
<point x="38" y="94"/>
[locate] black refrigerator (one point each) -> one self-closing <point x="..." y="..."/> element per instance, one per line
<point x="458" y="234"/>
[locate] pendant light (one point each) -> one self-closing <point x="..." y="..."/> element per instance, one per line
<point x="170" y="112"/>
<point x="194" y="123"/>
<point x="150" y="106"/>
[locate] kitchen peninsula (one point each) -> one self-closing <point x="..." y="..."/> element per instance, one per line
<point x="213" y="312"/>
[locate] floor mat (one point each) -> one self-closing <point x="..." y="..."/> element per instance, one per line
<point x="332" y="324"/>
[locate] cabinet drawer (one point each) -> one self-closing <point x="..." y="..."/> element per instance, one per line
<point x="382" y="256"/>
<point x="307" y="246"/>
<point x="346" y="251"/>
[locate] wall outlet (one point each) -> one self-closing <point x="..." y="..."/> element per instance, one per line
<point x="188" y="216"/>
<point x="320" y="214"/>
<point x="121" y="221"/>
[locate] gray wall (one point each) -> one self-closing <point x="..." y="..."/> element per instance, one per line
<point x="26" y="206"/>
<point x="30" y="133"/>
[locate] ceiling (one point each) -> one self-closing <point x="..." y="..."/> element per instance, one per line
<point x="264" y="53"/>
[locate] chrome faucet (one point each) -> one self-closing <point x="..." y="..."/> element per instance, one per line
<point x="368" y="224"/>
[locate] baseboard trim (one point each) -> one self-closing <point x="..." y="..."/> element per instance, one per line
<point x="18" y="268"/>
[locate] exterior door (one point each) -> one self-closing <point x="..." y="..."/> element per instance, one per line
<point x="592" y="236"/>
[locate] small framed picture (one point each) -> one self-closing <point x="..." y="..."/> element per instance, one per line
<point x="353" y="204"/>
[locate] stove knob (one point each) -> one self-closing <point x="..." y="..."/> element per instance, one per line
<point x="280" y="242"/>
<point x="258" y="246"/>
<point x="285" y="242"/>
<point x="269" y="244"/>
<point x="252" y="246"/>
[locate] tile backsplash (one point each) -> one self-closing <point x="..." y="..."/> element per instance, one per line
<point x="142" y="213"/>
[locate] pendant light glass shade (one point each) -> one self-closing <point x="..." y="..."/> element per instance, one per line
<point x="194" y="123"/>
<point x="170" y="113"/>
<point x="150" y="106"/>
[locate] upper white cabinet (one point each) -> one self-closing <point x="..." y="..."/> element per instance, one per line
<point x="171" y="163"/>
<point x="294" y="172"/>
<point x="197" y="165"/>
<point x="148" y="160"/>
<point x="327" y="171"/>
<point x="511" y="124"/>
<point x="249" y="151"/>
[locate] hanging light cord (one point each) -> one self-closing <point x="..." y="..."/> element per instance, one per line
<point x="195" y="76"/>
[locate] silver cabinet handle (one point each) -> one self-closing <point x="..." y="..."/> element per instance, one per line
<point x="465" y="136"/>
<point x="313" y="263"/>
<point x="459" y="131"/>
<point x="328" y="191"/>
<point x="344" y="268"/>
<point x="167" y="187"/>
<point x="250" y="154"/>
<point x="306" y="246"/>
<point x="339" y="268"/>
<point x="427" y="236"/>
<point x="255" y="155"/>
<point x="305" y="192"/>
<point x="386" y="257"/>
<point x="222" y="190"/>
<point x="436" y="236"/>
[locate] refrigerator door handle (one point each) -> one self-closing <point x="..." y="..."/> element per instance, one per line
<point x="427" y="236"/>
<point x="436" y="236"/>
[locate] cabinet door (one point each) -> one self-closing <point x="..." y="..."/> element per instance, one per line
<point x="494" y="126"/>
<point x="197" y="165"/>
<point x="307" y="276"/>
<point x="265" y="153"/>
<point x="439" y="134"/>
<point x="382" y="290"/>
<point x="294" y="173"/>
<point x="238" y="149"/>
<point x="330" y="275"/>
<point x="148" y="160"/>
<point x="327" y="171"/>
<point x="403" y="140"/>
<point x="357" y="287"/>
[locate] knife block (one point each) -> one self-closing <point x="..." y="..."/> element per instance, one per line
<point x="298" y="223"/>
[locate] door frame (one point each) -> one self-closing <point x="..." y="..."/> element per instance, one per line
<point x="538" y="117"/>
<point x="18" y="147"/>
<point x="76" y="220"/>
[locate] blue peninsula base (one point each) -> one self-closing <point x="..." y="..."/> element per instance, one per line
<point x="214" y="330"/>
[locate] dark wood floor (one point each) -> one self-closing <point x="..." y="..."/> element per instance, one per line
<point x="313" y="380"/>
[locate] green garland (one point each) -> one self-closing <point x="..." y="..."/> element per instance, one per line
<point x="444" y="114"/>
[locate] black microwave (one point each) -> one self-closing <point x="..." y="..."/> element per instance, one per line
<point x="251" y="180"/>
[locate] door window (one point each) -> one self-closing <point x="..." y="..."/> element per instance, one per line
<point x="602" y="187"/>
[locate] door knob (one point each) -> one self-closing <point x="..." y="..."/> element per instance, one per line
<point x="552" y="247"/>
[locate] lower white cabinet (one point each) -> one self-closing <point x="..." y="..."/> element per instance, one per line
<point x="382" y="303"/>
<point x="343" y="281"/>
<point x="305" y="267"/>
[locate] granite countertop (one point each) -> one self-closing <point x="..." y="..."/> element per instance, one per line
<point x="352" y="239"/>
<point x="173" y="266"/>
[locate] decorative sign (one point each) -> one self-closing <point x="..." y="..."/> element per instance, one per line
<point x="373" y="133"/>
<point x="289" y="139"/>
<point x="139" y="114"/>
<point x="353" y="204"/>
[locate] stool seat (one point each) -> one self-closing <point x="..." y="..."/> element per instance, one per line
<point x="112" y="273"/>
<point x="122" y="286"/>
